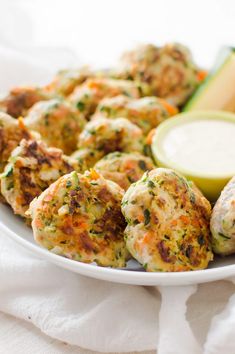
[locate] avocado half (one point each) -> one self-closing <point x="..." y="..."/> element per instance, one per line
<point x="218" y="90"/>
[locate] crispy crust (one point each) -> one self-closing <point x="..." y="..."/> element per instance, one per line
<point x="21" y="99"/>
<point x="66" y="80"/>
<point x="169" y="70"/>
<point x="58" y="123"/>
<point x="31" y="169"/>
<point x="146" y="112"/>
<point x="124" y="168"/>
<point x="223" y="221"/>
<point x="168" y="223"/>
<point x="106" y="135"/>
<point x="12" y="131"/>
<point x="79" y="217"/>
<point x="87" y="96"/>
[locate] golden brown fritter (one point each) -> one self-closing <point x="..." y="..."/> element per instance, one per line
<point x="102" y="136"/>
<point x="66" y="80"/>
<point x="87" y="96"/>
<point x="124" y="168"/>
<point x="86" y="158"/>
<point x="146" y="112"/>
<point x="21" y="99"/>
<point x="12" y="131"/>
<point x="58" y="123"/>
<point x="223" y="221"/>
<point x="32" y="168"/>
<point x="168" y="223"/>
<point x="79" y="217"/>
<point x="168" y="70"/>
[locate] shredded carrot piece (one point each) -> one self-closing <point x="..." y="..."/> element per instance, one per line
<point x="94" y="174"/>
<point x="185" y="219"/>
<point x="147" y="237"/>
<point x="93" y="84"/>
<point x="201" y="75"/>
<point x="140" y="218"/>
<point x="130" y="164"/>
<point x="174" y="223"/>
<point x="150" y="135"/>
<point x="21" y="123"/>
<point x="38" y="223"/>
<point x="170" y="109"/>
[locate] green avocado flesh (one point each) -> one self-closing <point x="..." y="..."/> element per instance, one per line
<point x="217" y="92"/>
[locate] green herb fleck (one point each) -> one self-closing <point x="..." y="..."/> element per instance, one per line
<point x="10" y="185"/>
<point x="146" y="217"/>
<point x="201" y="240"/>
<point x="47" y="119"/>
<point x="145" y="266"/>
<point x="151" y="184"/>
<point x="81" y="106"/>
<point x="68" y="184"/>
<point x="92" y="131"/>
<point x="130" y="179"/>
<point x="9" y="172"/>
<point x="147" y="150"/>
<point x="142" y="165"/>
<point x="192" y="198"/>
<point x="124" y="202"/>
<point x="224" y="236"/>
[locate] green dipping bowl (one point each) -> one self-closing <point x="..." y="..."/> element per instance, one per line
<point x="211" y="184"/>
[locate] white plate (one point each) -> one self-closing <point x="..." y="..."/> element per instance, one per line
<point x="15" y="228"/>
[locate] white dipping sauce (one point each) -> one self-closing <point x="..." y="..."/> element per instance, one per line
<point x="202" y="146"/>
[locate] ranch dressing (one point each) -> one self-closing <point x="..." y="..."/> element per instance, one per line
<point x="202" y="147"/>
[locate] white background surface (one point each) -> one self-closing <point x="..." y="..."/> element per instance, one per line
<point x="96" y="31"/>
<point x="99" y="30"/>
<point x="19" y="337"/>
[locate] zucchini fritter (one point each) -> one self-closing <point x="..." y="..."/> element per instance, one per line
<point x="124" y="168"/>
<point x="102" y="136"/>
<point x="86" y="158"/>
<point x="87" y="96"/>
<point x="12" y="131"/>
<point x="168" y="223"/>
<point x="21" y="99"/>
<point x="111" y="135"/>
<point x="223" y="221"/>
<point x="79" y="217"/>
<point x="58" y="123"/>
<point x="66" y="80"/>
<point x="169" y="70"/>
<point x="146" y="112"/>
<point x="32" y="168"/>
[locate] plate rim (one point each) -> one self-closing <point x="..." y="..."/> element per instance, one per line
<point x="124" y="276"/>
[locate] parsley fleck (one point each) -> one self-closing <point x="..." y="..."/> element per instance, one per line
<point x="146" y="217"/>
<point x="68" y="184"/>
<point x="10" y="185"/>
<point x="151" y="184"/>
<point x="142" y="165"/>
<point x="224" y="236"/>
<point x="201" y="240"/>
<point x="9" y="172"/>
<point x="81" y="106"/>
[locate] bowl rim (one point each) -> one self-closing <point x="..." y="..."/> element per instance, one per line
<point x="180" y="119"/>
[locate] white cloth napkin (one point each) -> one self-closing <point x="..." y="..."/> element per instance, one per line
<point x="94" y="314"/>
<point x="109" y="317"/>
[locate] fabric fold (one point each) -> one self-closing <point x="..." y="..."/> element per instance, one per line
<point x="96" y="315"/>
